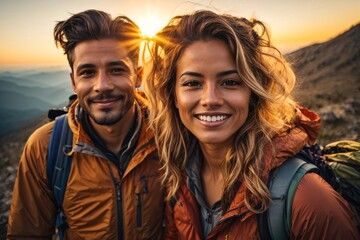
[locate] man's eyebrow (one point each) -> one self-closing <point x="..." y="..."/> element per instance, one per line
<point x="116" y="63"/>
<point x="84" y="66"/>
<point x="109" y="64"/>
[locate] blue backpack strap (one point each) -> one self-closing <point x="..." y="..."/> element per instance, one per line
<point x="58" y="168"/>
<point x="275" y="223"/>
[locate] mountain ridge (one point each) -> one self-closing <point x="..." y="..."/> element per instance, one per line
<point x="329" y="83"/>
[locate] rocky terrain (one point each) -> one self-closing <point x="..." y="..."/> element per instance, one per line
<point x="10" y="150"/>
<point x="329" y="83"/>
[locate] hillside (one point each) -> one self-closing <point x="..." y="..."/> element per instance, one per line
<point x="329" y="83"/>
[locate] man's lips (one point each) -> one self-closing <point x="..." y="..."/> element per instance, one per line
<point x="108" y="101"/>
<point x="106" y="98"/>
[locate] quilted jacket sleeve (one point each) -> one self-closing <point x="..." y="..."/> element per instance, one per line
<point x="319" y="212"/>
<point x="32" y="213"/>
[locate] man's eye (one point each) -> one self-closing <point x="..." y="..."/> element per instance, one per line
<point x="117" y="70"/>
<point x="87" y="73"/>
<point x="192" y="84"/>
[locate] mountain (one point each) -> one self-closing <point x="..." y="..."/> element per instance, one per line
<point x="17" y="109"/>
<point x="37" y="77"/>
<point x="50" y="78"/>
<point x="13" y="119"/>
<point x="12" y="79"/>
<point x="17" y="101"/>
<point x="329" y="83"/>
<point x="25" y="95"/>
<point x="45" y="94"/>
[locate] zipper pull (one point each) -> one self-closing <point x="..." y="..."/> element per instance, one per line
<point x="138" y="210"/>
<point x="145" y="188"/>
<point x="118" y="191"/>
<point x="209" y="219"/>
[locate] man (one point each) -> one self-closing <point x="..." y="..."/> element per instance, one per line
<point x="113" y="190"/>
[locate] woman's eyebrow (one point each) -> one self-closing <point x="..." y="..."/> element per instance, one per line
<point x="193" y="74"/>
<point x="225" y="73"/>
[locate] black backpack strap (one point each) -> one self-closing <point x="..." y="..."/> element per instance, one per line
<point x="58" y="167"/>
<point x="275" y="223"/>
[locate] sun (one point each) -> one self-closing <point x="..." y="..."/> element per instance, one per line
<point x="150" y="24"/>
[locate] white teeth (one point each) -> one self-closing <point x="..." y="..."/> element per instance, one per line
<point x="212" y="118"/>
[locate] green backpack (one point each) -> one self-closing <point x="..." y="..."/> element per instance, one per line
<point x="338" y="163"/>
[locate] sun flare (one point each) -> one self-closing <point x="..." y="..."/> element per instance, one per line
<point x="150" y="25"/>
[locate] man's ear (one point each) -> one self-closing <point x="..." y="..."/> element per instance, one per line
<point x="139" y="75"/>
<point x="72" y="82"/>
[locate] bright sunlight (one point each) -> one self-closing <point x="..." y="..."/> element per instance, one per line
<point x="150" y="24"/>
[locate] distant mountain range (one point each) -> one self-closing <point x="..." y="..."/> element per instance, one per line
<point x="25" y="95"/>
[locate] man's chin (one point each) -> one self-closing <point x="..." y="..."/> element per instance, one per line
<point x="106" y="120"/>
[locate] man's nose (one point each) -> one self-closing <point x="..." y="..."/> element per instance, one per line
<point x="103" y="82"/>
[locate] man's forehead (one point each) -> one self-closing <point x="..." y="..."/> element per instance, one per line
<point x="107" y="51"/>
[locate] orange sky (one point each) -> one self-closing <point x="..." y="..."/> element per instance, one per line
<point x="27" y="25"/>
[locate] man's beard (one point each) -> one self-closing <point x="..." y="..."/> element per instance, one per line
<point x="110" y="116"/>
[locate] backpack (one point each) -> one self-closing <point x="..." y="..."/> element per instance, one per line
<point x="338" y="163"/>
<point x="58" y="168"/>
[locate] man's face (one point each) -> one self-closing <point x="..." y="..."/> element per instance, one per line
<point x="104" y="80"/>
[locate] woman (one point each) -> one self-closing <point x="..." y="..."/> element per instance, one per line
<point x="224" y="117"/>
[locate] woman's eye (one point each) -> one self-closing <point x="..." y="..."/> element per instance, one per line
<point x="191" y="84"/>
<point x="231" y="82"/>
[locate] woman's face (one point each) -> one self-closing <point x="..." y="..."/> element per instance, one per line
<point x="212" y="99"/>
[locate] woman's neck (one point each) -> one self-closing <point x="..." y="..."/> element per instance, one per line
<point x="212" y="173"/>
<point x="214" y="157"/>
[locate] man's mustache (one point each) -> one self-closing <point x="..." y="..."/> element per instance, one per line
<point x="105" y="96"/>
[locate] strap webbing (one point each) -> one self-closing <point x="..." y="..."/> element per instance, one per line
<point x="58" y="167"/>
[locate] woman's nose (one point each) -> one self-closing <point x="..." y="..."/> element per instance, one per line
<point x="211" y="96"/>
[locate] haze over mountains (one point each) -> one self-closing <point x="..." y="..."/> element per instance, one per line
<point x="25" y="95"/>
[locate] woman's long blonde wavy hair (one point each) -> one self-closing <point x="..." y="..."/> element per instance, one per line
<point x="262" y="68"/>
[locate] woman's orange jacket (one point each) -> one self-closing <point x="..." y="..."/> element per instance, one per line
<point x="318" y="211"/>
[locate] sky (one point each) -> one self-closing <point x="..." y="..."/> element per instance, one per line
<point x="26" y="26"/>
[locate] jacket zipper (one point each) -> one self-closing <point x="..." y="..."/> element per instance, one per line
<point x="119" y="207"/>
<point x="138" y="210"/>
